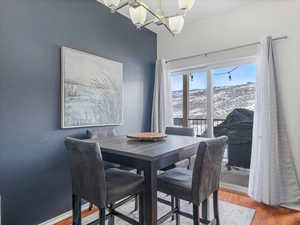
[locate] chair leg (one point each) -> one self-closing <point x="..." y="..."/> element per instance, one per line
<point x="76" y="208"/>
<point x="190" y="164"/>
<point x="101" y="216"/>
<point x="177" y="206"/>
<point x="91" y="206"/>
<point x="136" y="199"/>
<point x="216" y="207"/>
<point x="196" y="214"/>
<point x="172" y="206"/>
<point x="111" y="220"/>
<point x="136" y="203"/>
<point x="204" y="209"/>
<point x="141" y="208"/>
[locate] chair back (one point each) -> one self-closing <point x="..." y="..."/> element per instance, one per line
<point x="207" y="169"/>
<point x="95" y="133"/>
<point x="87" y="170"/>
<point x="184" y="131"/>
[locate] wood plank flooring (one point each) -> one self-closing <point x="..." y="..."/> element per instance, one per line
<point x="265" y="215"/>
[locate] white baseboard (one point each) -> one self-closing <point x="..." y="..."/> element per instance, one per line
<point x="63" y="216"/>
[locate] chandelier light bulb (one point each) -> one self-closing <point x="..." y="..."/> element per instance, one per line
<point x="186" y="4"/>
<point x="111" y="3"/>
<point x="138" y="15"/>
<point x="176" y="24"/>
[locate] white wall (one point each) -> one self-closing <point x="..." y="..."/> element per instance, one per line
<point x="246" y="25"/>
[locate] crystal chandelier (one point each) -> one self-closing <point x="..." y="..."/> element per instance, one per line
<point x="138" y="11"/>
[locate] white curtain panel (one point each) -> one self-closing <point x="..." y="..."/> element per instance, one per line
<point x="273" y="178"/>
<point x="162" y="106"/>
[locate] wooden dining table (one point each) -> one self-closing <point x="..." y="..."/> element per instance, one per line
<point x="148" y="157"/>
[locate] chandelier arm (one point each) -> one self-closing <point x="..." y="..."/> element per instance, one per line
<point x="174" y="15"/>
<point x="121" y="6"/>
<point x="149" y="22"/>
<point x="167" y="27"/>
<point x="150" y="10"/>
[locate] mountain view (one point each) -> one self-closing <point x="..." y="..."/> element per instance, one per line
<point x="226" y="98"/>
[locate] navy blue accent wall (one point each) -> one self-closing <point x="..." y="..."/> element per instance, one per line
<point x="34" y="166"/>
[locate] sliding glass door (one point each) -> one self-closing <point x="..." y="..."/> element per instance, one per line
<point x="215" y="101"/>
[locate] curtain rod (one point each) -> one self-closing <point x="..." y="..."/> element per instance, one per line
<point x="223" y="50"/>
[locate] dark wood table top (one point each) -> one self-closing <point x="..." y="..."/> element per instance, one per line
<point x="147" y="150"/>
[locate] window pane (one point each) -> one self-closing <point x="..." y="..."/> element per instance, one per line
<point x="234" y="104"/>
<point x="198" y="102"/>
<point x="234" y="89"/>
<point x="177" y="98"/>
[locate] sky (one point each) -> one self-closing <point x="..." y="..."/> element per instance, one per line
<point x="242" y="75"/>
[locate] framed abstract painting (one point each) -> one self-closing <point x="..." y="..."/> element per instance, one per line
<point x="91" y="90"/>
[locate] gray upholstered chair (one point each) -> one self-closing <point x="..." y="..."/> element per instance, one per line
<point x="183" y="131"/>
<point x="185" y="163"/>
<point x="102" y="188"/>
<point x="96" y="133"/>
<point x="196" y="186"/>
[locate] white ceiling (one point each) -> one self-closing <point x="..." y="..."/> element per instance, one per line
<point x="202" y="8"/>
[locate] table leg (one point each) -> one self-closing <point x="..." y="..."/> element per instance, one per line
<point x="150" y="174"/>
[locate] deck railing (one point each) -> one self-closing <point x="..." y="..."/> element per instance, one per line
<point x="198" y="124"/>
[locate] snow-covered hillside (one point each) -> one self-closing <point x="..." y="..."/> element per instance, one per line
<point x="226" y="98"/>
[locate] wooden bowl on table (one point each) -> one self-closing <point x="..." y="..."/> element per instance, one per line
<point x="147" y="136"/>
